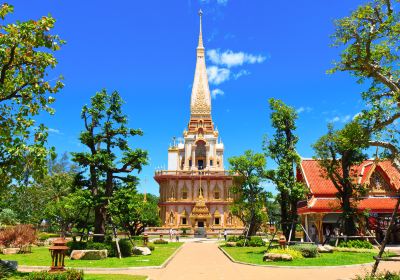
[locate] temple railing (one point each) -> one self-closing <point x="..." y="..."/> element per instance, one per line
<point x="192" y="173"/>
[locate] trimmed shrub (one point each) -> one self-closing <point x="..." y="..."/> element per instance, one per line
<point x="137" y="237"/>
<point x="70" y="274"/>
<point x="74" y="245"/>
<point x="240" y="243"/>
<point x="256" y="241"/>
<point x="358" y="244"/>
<point x="307" y="250"/>
<point x="294" y="253"/>
<point x="160" y="241"/>
<point x="43" y="236"/>
<point x="235" y="238"/>
<point x="90" y="245"/>
<point x="126" y="247"/>
<point x="151" y="246"/>
<point x="387" y="275"/>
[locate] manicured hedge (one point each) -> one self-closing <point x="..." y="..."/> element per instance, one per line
<point x="45" y="275"/>
<point x="380" y="276"/>
<point x="359" y="244"/>
<point x="307" y="250"/>
<point x="160" y="241"/>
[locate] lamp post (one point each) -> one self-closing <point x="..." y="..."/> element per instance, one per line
<point x="58" y="251"/>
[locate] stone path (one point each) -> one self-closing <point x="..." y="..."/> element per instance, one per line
<point x="203" y="260"/>
<point x="197" y="261"/>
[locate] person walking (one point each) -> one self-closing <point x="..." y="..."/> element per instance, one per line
<point x="313" y="233"/>
<point x="171" y="234"/>
<point x="225" y="234"/>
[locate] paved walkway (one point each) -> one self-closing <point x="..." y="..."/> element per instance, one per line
<point x="197" y="261"/>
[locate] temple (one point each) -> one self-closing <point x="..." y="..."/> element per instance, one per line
<point x="195" y="189"/>
<point x="322" y="207"/>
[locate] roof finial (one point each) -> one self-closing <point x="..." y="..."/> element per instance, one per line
<point x="201" y="32"/>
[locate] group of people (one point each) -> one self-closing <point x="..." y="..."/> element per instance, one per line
<point x="173" y="233"/>
<point x="328" y="233"/>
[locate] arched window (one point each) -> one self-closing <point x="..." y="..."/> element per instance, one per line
<point x="172" y="193"/>
<point x="229" y="219"/>
<point x="171" y="218"/>
<point x="217" y="193"/>
<point x="184" y="192"/>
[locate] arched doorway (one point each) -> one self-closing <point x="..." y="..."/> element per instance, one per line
<point x="201" y="152"/>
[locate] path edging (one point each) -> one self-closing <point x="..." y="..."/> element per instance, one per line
<point x="290" y="267"/>
<point x="163" y="265"/>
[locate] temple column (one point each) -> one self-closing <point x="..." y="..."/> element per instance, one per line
<point x="193" y="157"/>
<point x="207" y="165"/>
<point x="187" y="156"/>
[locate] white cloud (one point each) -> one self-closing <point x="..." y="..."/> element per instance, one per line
<point x="220" y="2"/>
<point x="241" y="73"/>
<point x="218" y="75"/>
<point x="230" y="59"/>
<point x="216" y="92"/>
<point x="55" y="131"/>
<point x="342" y="119"/>
<point x="304" y="110"/>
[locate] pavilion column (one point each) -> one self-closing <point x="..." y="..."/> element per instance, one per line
<point x="306" y="226"/>
<point x="318" y="225"/>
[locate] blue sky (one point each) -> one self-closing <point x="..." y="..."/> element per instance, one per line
<point x="146" y="50"/>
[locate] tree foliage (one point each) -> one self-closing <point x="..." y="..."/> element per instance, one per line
<point x="282" y="149"/>
<point x="249" y="172"/>
<point x="109" y="159"/>
<point x="370" y="37"/>
<point x="132" y="212"/>
<point x="338" y="152"/>
<point x="26" y="55"/>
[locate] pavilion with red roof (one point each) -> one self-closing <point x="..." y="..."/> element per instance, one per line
<point x="322" y="208"/>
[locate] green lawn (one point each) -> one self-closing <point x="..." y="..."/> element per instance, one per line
<point x="95" y="277"/>
<point x="40" y="256"/>
<point x="255" y="256"/>
<point x="113" y="276"/>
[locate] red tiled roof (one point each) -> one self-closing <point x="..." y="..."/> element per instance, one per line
<point x="373" y="204"/>
<point x="320" y="185"/>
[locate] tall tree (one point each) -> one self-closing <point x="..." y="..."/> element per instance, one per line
<point x="282" y="149"/>
<point x="28" y="200"/>
<point x="249" y="172"/>
<point x="370" y="37"/>
<point x="106" y="136"/>
<point x="338" y="152"/>
<point x="26" y="54"/>
<point x="133" y="211"/>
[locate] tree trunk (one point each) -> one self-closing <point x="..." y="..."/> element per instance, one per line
<point x="349" y="227"/>
<point x="285" y="214"/>
<point x="294" y="218"/>
<point x="100" y="218"/>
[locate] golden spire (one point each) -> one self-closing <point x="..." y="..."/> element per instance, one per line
<point x="201" y="46"/>
<point x="201" y="97"/>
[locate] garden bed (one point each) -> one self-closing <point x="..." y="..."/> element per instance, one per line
<point x="40" y="256"/>
<point x="254" y="255"/>
<point x="22" y="276"/>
